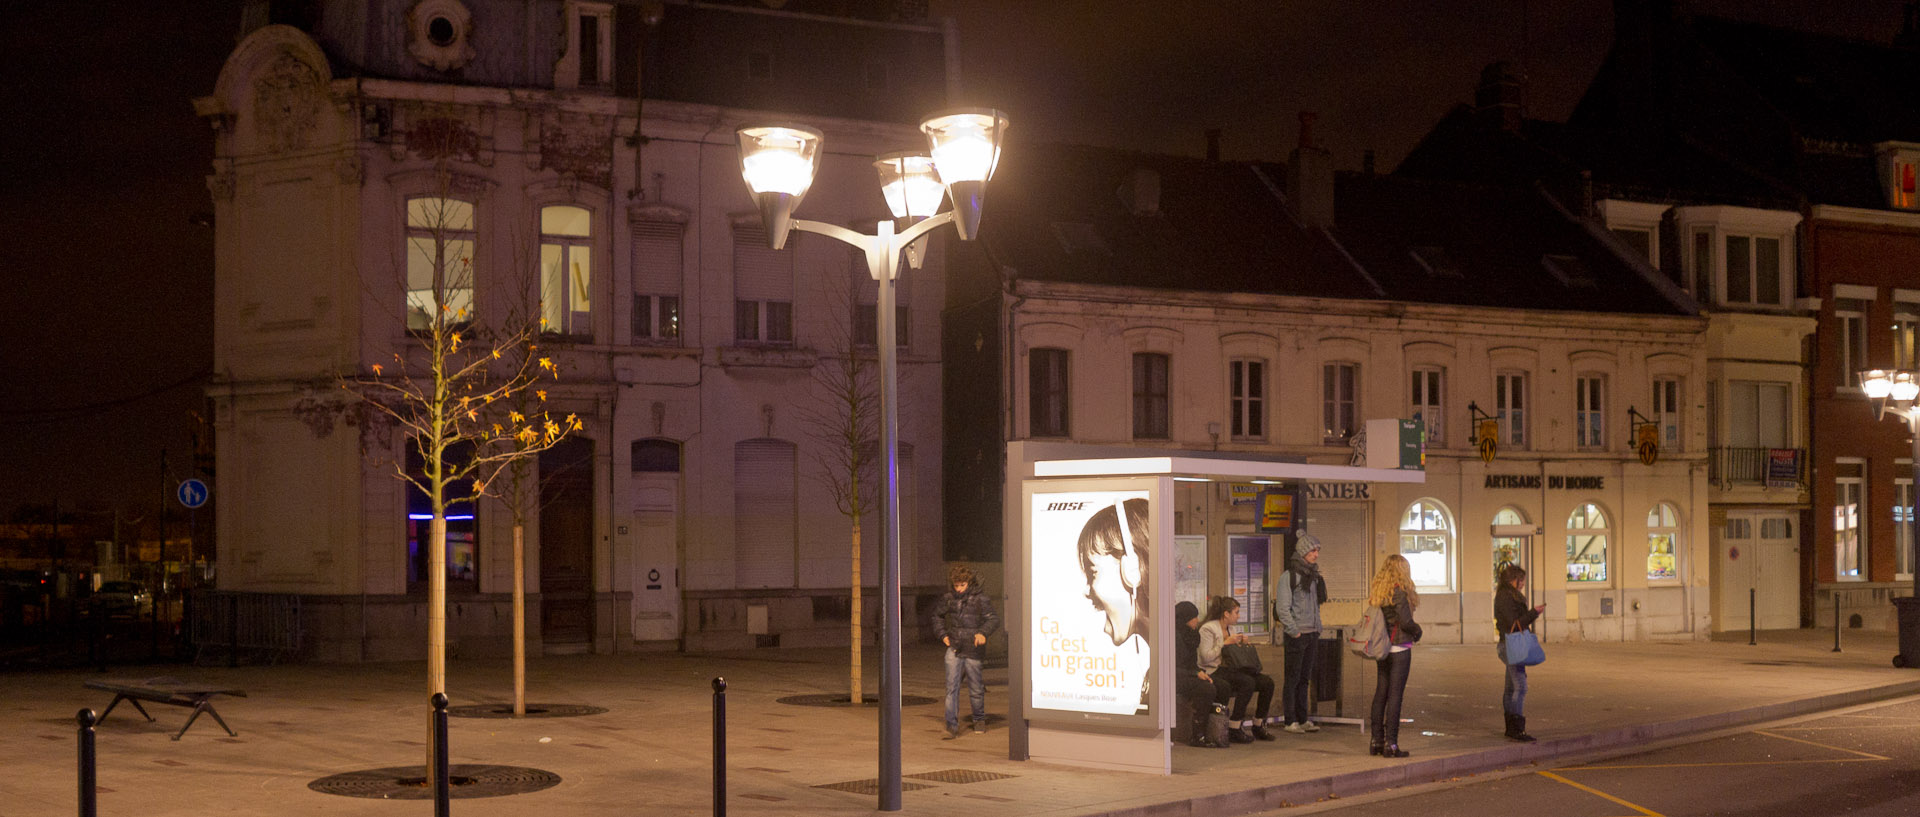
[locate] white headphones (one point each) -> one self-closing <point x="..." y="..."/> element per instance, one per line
<point x="1129" y="560"/>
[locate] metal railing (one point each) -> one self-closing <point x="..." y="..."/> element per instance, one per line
<point x="232" y="621"/>
<point x="1772" y="467"/>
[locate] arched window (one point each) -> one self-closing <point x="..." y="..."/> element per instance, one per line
<point x="1663" y="538"/>
<point x="1587" y="545"/>
<point x="1509" y="545"/>
<point x="439" y="233"/>
<point x="566" y="270"/>
<point x="1426" y="539"/>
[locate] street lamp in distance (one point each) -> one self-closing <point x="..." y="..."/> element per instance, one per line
<point x="1893" y="392"/>
<point x="778" y="163"/>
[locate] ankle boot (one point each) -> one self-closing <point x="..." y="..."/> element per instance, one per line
<point x="1375" y="747"/>
<point x="1392" y="750"/>
<point x="1518" y="731"/>
<point x="1509" y="731"/>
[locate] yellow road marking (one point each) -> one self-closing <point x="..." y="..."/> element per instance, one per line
<point x="1598" y="793"/>
<point x="1729" y="763"/>
<point x="1868" y="755"/>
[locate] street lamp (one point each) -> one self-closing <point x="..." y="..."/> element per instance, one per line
<point x="778" y="163"/>
<point x="1894" y="392"/>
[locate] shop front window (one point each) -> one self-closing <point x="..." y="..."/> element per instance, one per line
<point x="1426" y="539"/>
<point x="1663" y="534"/>
<point x="1587" y="545"/>
<point x="1508" y="550"/>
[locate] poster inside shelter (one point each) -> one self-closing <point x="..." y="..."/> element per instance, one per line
<point x="1091" y="570"/>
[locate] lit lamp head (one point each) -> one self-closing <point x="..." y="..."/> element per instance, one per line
<point x="1877" y="383"/>
<point x="965" y="143"/>
<point x="1904" y="388"/>
<point x="913" y="192"/>
<point x="778" y="163"/>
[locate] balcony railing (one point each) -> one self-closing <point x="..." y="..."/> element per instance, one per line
<point x="1768" y="467"/>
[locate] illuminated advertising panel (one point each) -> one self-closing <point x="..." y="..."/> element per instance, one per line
<point x="1090" y="572"/>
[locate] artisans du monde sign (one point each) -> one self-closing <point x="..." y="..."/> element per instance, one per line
<point x="1552" y="483"/>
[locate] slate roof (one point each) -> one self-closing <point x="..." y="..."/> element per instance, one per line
<point x="1057" y="213"/>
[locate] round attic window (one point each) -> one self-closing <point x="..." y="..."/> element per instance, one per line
<point x="440" y="34"/>
<point x="440" y="31"/>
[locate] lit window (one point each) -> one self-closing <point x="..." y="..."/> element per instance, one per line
<point x="1508" y="549"/>
<point x="1663" y="534"/>
<point x="1849" y="519"/>
<point x="566" y="270"/>
<point x="1339" y="401"/>
<point x="1903" y="522"/>
<point x="1247" y="398"/>
<point x="1587" y="545"/>
<point x="1426" y="539"/>
<point x="1906" y="318"/>
<point x="439" y="237"/>
<point x="1850" y="319"/>
<point x="1424" y="393"/>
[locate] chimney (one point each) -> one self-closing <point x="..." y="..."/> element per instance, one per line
<point x="1500" y="101"/>
<point x="1213" y="144"/>
<point x="1310" y="178"/>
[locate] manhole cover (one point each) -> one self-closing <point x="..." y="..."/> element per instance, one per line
<point x="845" y="700"/>
<point x="533" y="710"/>
<point x="960" y="776"/>
<point x="465" y="780"/>
<point x="870" y="786"/>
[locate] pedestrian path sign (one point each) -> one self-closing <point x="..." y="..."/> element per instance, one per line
<point x="192" y="493"/>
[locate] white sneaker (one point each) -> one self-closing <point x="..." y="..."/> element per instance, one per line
<point x="1310" y="726"/>
<point x="1297" y="728"/>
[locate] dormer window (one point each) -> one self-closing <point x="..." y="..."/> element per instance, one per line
<point x="587" y="63"/>
<point x="438" y="34"/>
<point x="1637" y="225"/>
<point x="1899" y="166"/>
<point x="1740" y="257"/>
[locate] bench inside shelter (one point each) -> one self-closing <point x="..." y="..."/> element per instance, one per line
<point x="168" y="691"/>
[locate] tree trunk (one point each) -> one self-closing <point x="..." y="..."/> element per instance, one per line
<point x="520" y="619"/>
<point x="856" y="699"/>
<point x="436" y="619"/>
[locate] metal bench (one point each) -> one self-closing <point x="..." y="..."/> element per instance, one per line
<point x="169" y="691"/>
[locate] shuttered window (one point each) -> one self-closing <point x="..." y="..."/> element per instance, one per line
<point x="764" y="530"/>
<point x="762" y="288"/>
<point x="658" y="265"/>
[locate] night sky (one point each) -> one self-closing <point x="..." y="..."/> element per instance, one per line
<point x="106" y="259"/>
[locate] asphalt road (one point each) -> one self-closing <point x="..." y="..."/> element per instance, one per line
<point x="1862" y="761"/>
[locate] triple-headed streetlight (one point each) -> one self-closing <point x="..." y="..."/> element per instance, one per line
<point x="779" y="163"/>
<point x="1893" y="392"/>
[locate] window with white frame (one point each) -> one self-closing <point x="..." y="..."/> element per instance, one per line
<point x="1339" y="401"/>
<point x="1850" y="320"/>
<point x="1589" y="411"/>
<point x="1426" y="539"/>
<point x="1587" y="545"/>
<point x="1906" y="318"/>
<point x="1047" y="393"/>
<point x="566" y="270"/>
<point x="1637" y="225"/>
<point x="1663" y="538"/>
<point x="440" y="241"/>
<point x="1700" y="243"/>
<point x="1849" y="519"/>
<point x="1247" y="398"/>
<point x="1740" y="256"/>
<point x="1424" y="394"/>
<point x="1150" y="396"/>
<point x="762" y="288"/>
<point x="1759" y="414"/>
<point x="1510" y="408"/>
<point x="588" y="61"/>
<point x="1903" y="520"/>
<point x="1666" y="411"/>
<point x="1752" y="271"/>
<point x="658" y="265"/>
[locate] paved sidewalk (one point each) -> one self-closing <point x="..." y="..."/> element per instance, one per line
<point x="650" y="753"/>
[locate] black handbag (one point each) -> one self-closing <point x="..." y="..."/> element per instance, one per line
<point x="1217" y="725"/>
<point x="1242" y="657"/>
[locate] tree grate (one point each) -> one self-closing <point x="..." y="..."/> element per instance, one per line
<point x="961" y="776"/>
<point x="533" y="710"/>
<point x="845" y="700"/>
<point x="464" y="780"/>
<point x="871" y="786"/>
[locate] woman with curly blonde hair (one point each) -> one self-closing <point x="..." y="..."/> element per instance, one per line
<point x="1392" y="592"/>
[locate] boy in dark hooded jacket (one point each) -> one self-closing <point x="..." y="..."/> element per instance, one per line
<point x="963" y="620"/>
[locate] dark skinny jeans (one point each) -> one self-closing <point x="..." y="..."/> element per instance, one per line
<point x="1244" y="684"/>
<point x="1389" y="689"/>
<point x="1303" y="652"/>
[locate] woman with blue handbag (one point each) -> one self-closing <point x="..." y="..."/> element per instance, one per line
<point x="1511" y="615"/>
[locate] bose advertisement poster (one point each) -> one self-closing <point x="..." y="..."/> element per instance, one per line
<point x="1091" y="577"/>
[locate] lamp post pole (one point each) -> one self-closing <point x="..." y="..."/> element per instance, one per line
<point x="1901" y="388"/>
<point x="778" y="163"/>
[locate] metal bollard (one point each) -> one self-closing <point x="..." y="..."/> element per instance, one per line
<point x="441" y="796"/>
<point x="1836" y="623"/>
<point x="1753" y="618"/>
<point x="719" y="747"/>
<point x="89" y="805"/>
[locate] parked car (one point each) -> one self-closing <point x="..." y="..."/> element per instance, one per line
<point x="124" y="597"/>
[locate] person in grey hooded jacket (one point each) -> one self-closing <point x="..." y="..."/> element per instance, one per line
<point x="1296" y="603"/>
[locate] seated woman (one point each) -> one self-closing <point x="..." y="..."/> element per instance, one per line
<point x="1193" y="683"/>
<point x="1222" y="613"/>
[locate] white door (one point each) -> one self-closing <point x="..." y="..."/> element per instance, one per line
<point x="656" y="574"/>
<point x="1759" y="560"/>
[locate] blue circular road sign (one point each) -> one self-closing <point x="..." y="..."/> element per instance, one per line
<point x="192" y="493"/>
